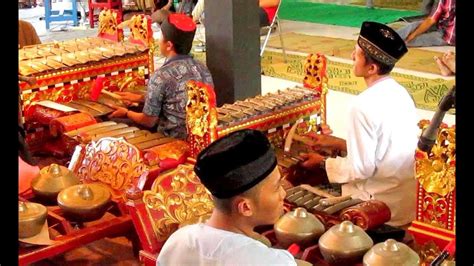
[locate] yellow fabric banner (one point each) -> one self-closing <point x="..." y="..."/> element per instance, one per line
<point x="425" y="92"/>
<point x="416" y="59"/>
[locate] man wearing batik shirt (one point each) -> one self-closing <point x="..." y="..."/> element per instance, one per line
<point x="166" y="97"/>
<point x="439" y="29"/>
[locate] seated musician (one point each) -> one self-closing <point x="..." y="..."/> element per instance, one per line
<point x="382" y="130"/>
<point x="240" y="170"/>
<point x="166" y="97"/>
<point x="27" y="34"/>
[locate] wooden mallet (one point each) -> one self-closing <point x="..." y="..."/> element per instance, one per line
<point x="98" y="88"/>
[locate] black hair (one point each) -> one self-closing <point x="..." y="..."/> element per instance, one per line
<point x="383" y="68"/>
<point x="182" y="48"/>
<point x="225" y="205"/>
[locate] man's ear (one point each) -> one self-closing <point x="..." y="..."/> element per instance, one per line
<point x="243" y="206"/>
<point x="169" y="46"/>
<point x="373" y="69"/>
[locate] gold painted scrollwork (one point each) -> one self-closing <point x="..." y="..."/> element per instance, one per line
<point x="177" y="198"/>
<point x="435" y="208"/>
<point x="436" y="170"/>
<point x="59" y="94"/>
<point x="112" y="161"/>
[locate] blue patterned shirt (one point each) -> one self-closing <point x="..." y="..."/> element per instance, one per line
<point x="166" y="94"/>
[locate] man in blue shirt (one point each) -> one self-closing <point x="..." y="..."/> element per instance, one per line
<point x="166" y="97"/>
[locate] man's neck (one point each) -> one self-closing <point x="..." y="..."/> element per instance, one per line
<point x="230" y="223"/>
<point x="373" y="79"/>
<point x="171" y="55"/>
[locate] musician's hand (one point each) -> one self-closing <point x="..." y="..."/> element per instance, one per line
<point x="449" y="60"/>
<point x="129" y="97"/>
<point x="30" y="80"/>
<point x="120" y="112"/>
<point x="327" y="142"/>
<point x="311" y="160"/>
<point x="326" y="129"/>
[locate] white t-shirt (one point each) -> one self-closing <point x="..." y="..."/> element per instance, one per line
<point x="200" y="244"/>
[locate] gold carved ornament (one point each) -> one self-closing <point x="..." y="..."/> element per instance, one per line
<point x="201" y="116"/>
<point x="171" y="150"/>
<point x="316" y="79"/>
<point x="111" y="161"/>
<point x="108" y="22"/>
<point x="436" y="170"/>
<point x="315" y="72"/>
<point x="177" y="198"/>
<point x="131" y="81"/>
<point x="428" y="252"/>
<point x="140" y="26"/>
<point x="141" y="32"/>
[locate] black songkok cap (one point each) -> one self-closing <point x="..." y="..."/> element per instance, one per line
<point x="381" y="42"/>
<point x="179" y="29"/>
<point x="235" y="163"/>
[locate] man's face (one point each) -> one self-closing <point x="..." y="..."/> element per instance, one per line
<point x="360" y="63"/>
<point x="268" y="202"/>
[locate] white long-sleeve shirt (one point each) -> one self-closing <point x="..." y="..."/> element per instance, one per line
<point x="381" y="143"/>
<point x="203" y="245"/>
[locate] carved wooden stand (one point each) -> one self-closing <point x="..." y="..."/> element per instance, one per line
<point x="116" y="164"/>
<point x="175" y="199"/>
<point x="73" y="235"/>
<point x="435" y="222"/>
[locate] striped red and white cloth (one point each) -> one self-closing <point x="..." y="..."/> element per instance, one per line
<point x="445" y="14"/>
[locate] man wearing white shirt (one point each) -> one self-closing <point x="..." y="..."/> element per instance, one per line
<point x="240" y="171"/>
<point x="382" y="131"/>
